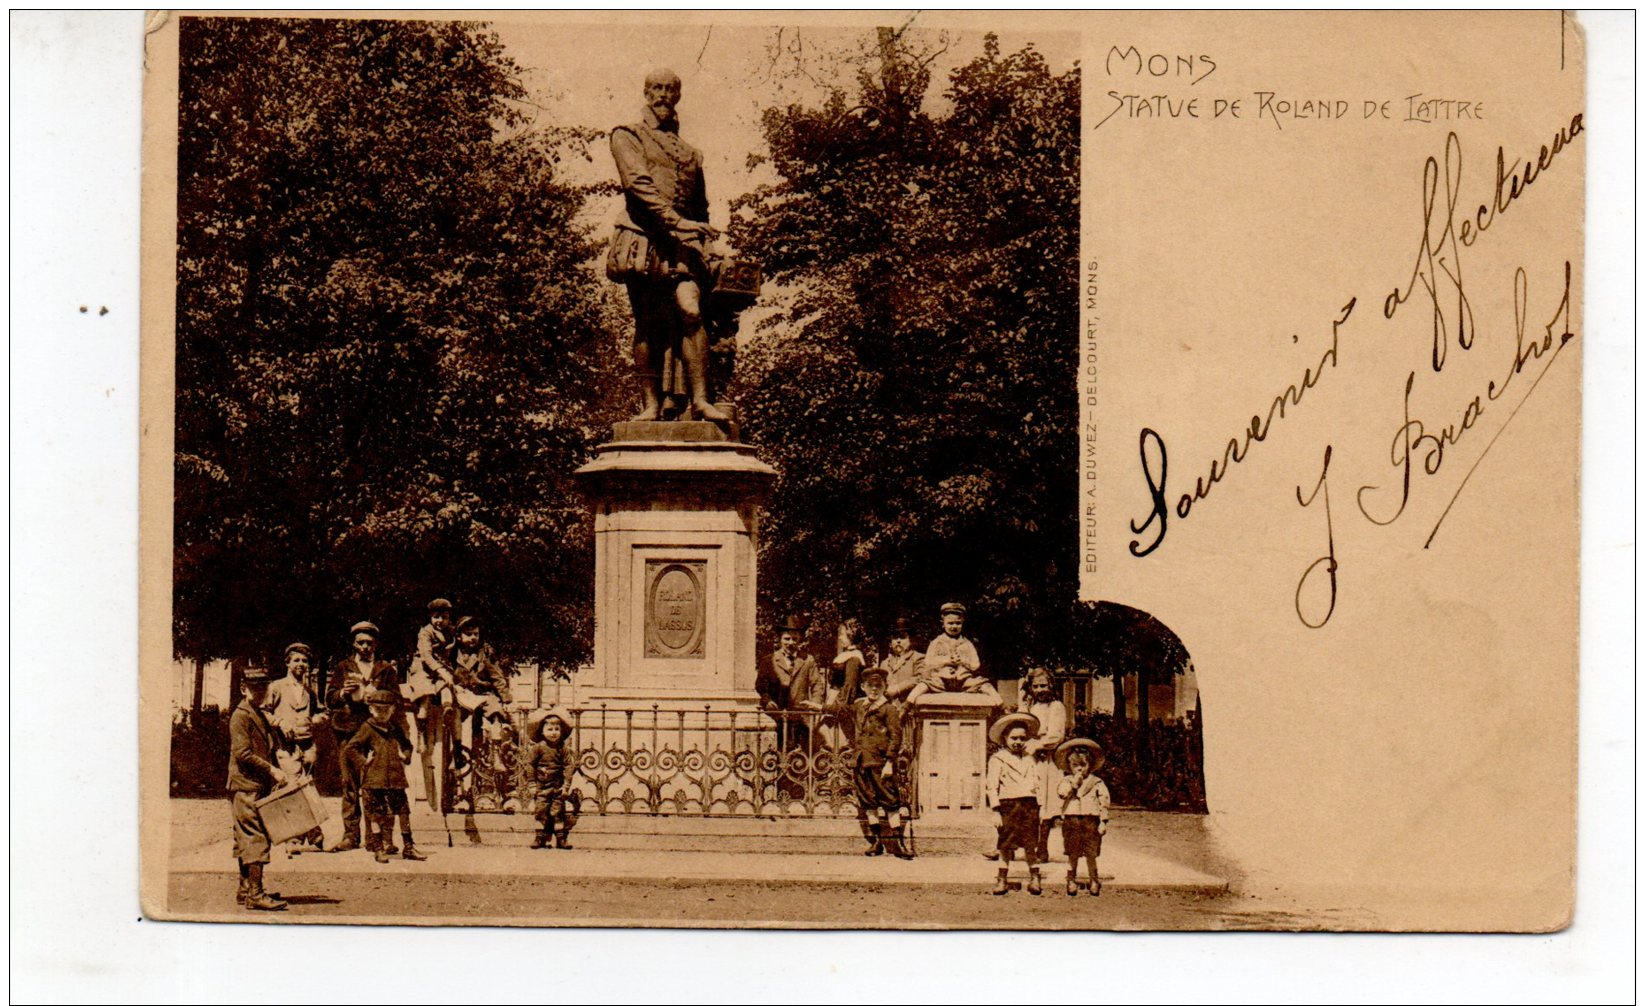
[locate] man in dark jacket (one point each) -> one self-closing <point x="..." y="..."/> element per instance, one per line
<point x="352" y="679"/>
<point x="252" y="775"/>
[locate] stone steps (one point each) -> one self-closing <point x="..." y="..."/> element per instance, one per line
<point x="798" y="836"/>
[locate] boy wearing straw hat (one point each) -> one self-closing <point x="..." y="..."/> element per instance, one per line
<point x="1083" y="798"/>
<point x="551" y="763"/>
<point x="1011" y="792"/>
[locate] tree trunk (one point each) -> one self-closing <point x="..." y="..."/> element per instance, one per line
<point x="1118" y="680"/>
<point x="1144" y="754"/>
<point x="197" y="698"/>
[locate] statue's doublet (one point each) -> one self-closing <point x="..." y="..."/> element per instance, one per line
<point x="662" y="180"/>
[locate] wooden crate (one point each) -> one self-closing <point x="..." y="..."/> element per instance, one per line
<point x="291" y="811"/>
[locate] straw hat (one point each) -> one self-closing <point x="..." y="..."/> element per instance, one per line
<point x="1003" y="725"/>
<point x="1080" y="743"/>
<point x="534" y="722"/>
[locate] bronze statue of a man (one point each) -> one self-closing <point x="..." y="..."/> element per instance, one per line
<point x="661" y="253"/>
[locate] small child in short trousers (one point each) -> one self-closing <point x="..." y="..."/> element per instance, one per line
<point x="551" y="764"/>
<point x="1084" y="801"/>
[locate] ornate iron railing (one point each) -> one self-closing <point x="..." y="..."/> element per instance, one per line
<point x="702" y="762"/>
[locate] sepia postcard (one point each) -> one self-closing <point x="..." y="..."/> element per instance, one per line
<point x="1104" y="471"/>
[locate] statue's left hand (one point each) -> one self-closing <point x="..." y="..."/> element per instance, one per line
<point x="704" y="228"/>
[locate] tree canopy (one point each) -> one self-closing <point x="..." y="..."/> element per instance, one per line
<point x="389" y="339"/>
<point x="916" y="389"/>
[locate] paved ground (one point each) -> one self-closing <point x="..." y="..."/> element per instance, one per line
<point x="1160" y="870"/>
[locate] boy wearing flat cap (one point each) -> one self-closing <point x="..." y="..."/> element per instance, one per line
<point x="1083" y="799"/>
<point x="431" y="665"/>
<point x="1011" y="792"/>
<point x="951" y="661"/>
<point x="294" y="711"/>
<point x="876" y="737"/>
<point x="352" y="679"/>
<point x="252" y="775"/>
<point x="378" y="756"/>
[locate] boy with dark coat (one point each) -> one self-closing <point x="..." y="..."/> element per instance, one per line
<point x="876" y="737"/>
<point x="378" y="755"/>
<point x="352" y="679"/>
<point x="252" y="775"/>
<point x="551" y="763"/>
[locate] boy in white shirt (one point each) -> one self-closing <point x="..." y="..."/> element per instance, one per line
<point x="1011" y="791"/>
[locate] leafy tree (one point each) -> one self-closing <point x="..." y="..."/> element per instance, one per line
<point x="389" y="340"/>
<point x="916" y="386"/>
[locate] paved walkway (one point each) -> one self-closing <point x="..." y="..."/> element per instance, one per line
<point x="1161" y="857"/>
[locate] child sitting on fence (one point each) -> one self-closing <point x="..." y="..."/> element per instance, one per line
<point x="1083" y="802"/>
<point x="378" y="755"/>
<point x="551" y="764"/>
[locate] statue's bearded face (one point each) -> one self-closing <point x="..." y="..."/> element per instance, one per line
<point x="661" y="97"/>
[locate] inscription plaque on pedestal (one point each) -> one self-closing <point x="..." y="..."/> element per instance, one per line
<point x="675" y="608"/>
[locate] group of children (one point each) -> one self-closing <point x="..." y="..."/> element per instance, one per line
<point x="379" y="752"/>
<point x="1034" y="780"/>
<point x="1026" y="800"/>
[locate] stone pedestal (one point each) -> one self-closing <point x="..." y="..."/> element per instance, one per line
<point x="953" y="758"/>
<point x="677" y="509"/>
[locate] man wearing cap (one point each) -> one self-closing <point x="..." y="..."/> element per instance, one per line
<point x="951" y="661"/>
<point x="352" y="679"/>
<point x="252" y="774"/>
<point x="659" y="252"/>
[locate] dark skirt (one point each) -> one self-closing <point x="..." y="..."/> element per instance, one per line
<point x="1019" y="825"/>
<point x="875" y="790"/>
<point x="1080" y="837"/>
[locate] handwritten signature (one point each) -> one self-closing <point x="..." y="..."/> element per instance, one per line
<point x="1438" y="278"/>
